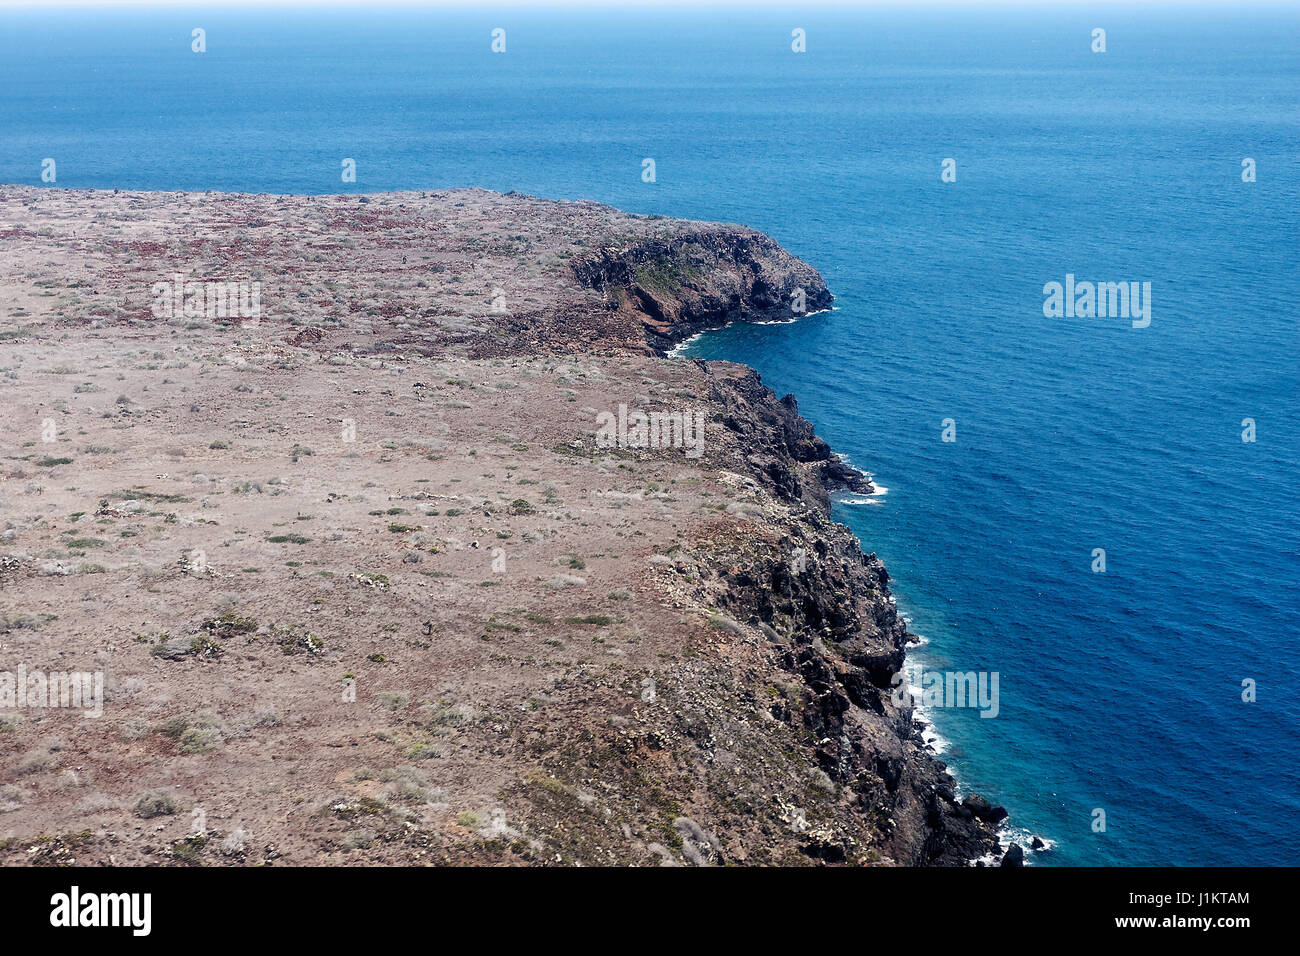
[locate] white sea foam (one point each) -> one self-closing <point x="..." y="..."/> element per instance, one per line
<point x="1013" y="834"/>
<point x="858" y="500"/>
<point x="678" y="350"/>
<point x="874" y="497"/>
<point x="935" y="740"/>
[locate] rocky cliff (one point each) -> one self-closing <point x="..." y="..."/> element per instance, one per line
<point x="702" y="278"/>
<point x="826" y="611"/>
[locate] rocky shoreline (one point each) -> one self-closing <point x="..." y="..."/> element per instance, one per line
<point x="688" y="662"/>
<point x="826" y="610"/>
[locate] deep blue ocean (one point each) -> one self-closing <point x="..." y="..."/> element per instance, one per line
<point x="1119" y="690"/>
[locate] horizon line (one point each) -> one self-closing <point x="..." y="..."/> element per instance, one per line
<point x="488" y="9"/>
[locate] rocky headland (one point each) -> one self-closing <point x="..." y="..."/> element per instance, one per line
<point x="365" y="587"/>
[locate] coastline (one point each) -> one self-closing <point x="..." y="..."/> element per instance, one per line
<point x="671" y="344"/>
<point x="783" y="606"/>
<point x="1007" y="835"/>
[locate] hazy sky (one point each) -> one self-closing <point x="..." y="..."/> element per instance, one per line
<point x="489" y="6"/>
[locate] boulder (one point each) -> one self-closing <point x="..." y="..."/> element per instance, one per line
<point x="984" y="810"/>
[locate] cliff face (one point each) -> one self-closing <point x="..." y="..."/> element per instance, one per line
<point x="780" y="445"/>
<point x="560" y="651"/>
<point x="702" y="278"/>
<point x="826" y="611"/>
